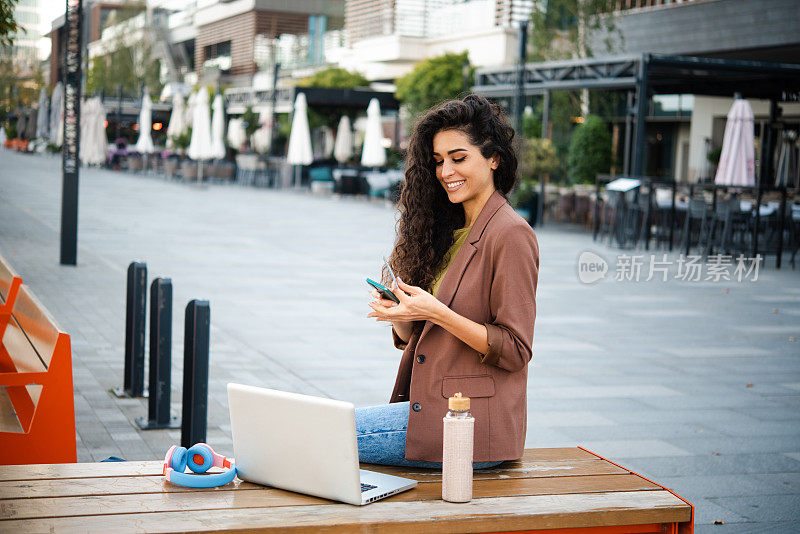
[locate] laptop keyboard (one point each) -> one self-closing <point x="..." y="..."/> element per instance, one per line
<point x="367" y="487"/>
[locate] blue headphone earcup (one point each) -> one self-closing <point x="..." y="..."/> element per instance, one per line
<point x="205" y="453"/>
<point x="178" y="461"/>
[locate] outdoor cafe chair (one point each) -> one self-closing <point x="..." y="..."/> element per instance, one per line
<point x="566" y="207"/>
<point x="729" y="228"/>
<point x="638" y="220"/>
<point x="608" y="216"/>
<point x="695" y="226"/>
<point x="224" y="171"/>
<point x="170" y="167"/>
<point x="248" y="167"/>
<point x="134" y="163"/>
<point x="155" y="163"/>
<point x="189" y="170"/>
<point x="793" y="231"/>
<point x="660" y="216"/>
<point x="581" y="209"/>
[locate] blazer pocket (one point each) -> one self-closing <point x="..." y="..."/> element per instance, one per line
<point x="469" y="386"/>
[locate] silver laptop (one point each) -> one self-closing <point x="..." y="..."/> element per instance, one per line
<point x="303" y="444"/>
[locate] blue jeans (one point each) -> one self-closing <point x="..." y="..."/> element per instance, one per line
<point x="381" y="433"/>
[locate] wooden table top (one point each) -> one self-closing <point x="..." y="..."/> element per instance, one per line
<point x="546" y="489"/>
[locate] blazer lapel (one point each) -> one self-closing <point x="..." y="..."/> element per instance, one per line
<point x="453" y="276"/>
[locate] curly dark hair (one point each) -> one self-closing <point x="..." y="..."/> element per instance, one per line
<point x="427" y="217"/>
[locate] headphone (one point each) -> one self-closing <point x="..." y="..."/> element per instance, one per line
<point x="199" y="458"/>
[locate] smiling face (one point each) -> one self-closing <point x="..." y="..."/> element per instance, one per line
<point x="465" y="174"/>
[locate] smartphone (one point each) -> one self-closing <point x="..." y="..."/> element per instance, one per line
<point x="391" y="273"/>
<point x="384" y="291"/>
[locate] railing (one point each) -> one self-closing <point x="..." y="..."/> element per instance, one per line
<point x="247" y="96"/>
<point x="692" y="189"/>
<point x="625" y="5"/>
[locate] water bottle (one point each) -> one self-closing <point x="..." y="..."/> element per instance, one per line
<point x="459" y="427"/>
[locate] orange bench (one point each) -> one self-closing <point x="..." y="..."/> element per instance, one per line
<point x="37" y="413"/>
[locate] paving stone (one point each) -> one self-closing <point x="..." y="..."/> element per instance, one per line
<point x="766" y="508"/>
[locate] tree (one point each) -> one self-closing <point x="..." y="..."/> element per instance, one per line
<point x="335" y="77"/>
<point x="562" y="30"/>
<point x="251" y="124"/>
<point x="537" y="158"/>
<point x="8" y="24"/>
<point x="433" y="81"/>
<point x="130" y="60"/>
<point x="589" y="150"/>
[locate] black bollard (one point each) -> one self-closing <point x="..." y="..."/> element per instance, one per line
<point x="135" y="309"/>
<point x="158" y="413"/>
<point x="195" y="372"/>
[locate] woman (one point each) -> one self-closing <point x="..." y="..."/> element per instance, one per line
<point x="467" y="267"/>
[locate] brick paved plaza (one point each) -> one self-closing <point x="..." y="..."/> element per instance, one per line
<point x="695" y="384"/>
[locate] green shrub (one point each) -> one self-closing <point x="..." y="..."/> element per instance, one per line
<point x="538" y="157"/>
<point x="589" y="151"/>
<point x="251" y="124"/>
<point x="432" y="81"/>
<point x="183" y="140"/>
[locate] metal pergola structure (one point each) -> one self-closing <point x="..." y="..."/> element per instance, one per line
<point x="238" y="99"/>
<point x="644" y="75"/>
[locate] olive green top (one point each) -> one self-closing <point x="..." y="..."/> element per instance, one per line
<point x="459" y="236"/>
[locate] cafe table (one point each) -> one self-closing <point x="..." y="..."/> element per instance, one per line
<point x="554" y="490"/>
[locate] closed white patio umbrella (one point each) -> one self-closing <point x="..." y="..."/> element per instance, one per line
<point x="43" y="116"/>
<point x="94" y="144"/>
<point x="177" y="123"/>
<point x="57" y="115"/>
<point x="327" y="142"/>
<point x="300" y="150"/>
<point x="101" y="139"/>
<point x="200" y="145"/>
<point x="87" y="131"/>
<point x="737" y="161"/>
<point x="343" y="146"/>
<point x="218" y="128"/>
<point x="261" y="140"/>
<point x="188" y="113"/>
<point x="144" y="145"/>
<point x="373" y="154"/>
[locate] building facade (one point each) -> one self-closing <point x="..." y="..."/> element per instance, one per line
<point x="684" y="130"/>
<point x="386" y="38"/>
<point x="25" y="51"/>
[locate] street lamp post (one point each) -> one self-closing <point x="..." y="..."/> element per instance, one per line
<point x="273" y="127"/>
<point x="70" y="162"/>
<point x="520" y="85"/>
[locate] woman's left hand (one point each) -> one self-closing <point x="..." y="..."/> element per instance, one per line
<point x="416" y="304"/>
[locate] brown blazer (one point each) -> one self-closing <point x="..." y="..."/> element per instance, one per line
<point x="492" y="281"/>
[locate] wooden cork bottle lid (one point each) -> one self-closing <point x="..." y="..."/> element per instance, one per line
<point x="458" y="403"/>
